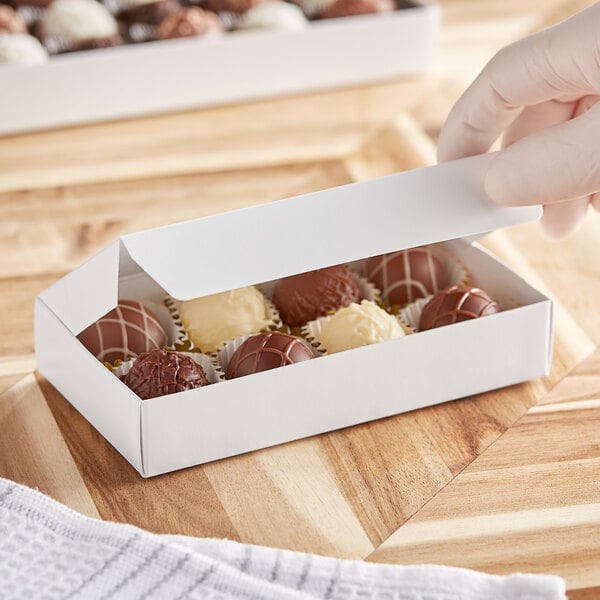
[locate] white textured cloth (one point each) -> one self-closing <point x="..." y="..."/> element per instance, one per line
<point x="48" y="551"/>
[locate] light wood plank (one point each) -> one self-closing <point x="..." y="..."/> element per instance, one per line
<point x="33" y="451"/>
<point x="530" y="503"/>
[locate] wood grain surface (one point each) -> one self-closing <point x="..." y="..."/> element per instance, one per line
<point x="504" y="481"/>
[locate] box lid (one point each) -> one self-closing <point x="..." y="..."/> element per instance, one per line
<point x="269" y="241"/>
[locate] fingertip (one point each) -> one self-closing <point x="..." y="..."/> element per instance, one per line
<point x="562" y="219"/>
<point x="595" y="201"/>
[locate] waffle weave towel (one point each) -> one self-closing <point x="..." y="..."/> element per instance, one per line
<point x="48" y="551"/>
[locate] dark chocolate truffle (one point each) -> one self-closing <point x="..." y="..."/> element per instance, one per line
<point x="234" y="6"/>
<point x="11" y="21"/>
<point x="159" y="373"/>
<point x="302" y="298"/>
<point x="406" y="276"/>
<point x="266" y="351"/>
<point x="123" y="333"/>
<point x="189" y="22"/>
<point x="456" y="304"/>
<point x="150" y="13"/>
<point x="352" y="8"/>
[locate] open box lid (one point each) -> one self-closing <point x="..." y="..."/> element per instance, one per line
<point x="269" y="241"/>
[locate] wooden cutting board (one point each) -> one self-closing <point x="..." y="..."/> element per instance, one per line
<point x="505" y="481"/>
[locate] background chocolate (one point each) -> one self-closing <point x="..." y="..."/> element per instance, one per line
<point x="350" y="8"/>
<point x="406" y="276"/>
<point x="158" y="373"/>
<point x="456" y="304"/>
<point x="151" y="13"/>
<point x="234" y="6"/>
<point x="95" y="43"/>
<point x="125" y="332"/>
<point x="11" y="21"/>
<point x="189" y="22"/>
<point x="265" y="351"/>
<point x="302" y="298"/>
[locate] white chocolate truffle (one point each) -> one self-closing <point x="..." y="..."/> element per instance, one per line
<point x="275" y="16"/>
<point x="358" y="325"/>
<point x="212" y="320"/>
<point x="21" y="49"/>
<point x="78" y="20"/>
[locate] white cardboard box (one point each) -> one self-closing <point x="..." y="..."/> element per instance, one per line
<point x="155" y="77"/>
<point x="344" y="224"/>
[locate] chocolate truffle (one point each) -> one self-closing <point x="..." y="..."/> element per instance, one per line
<point x="11" y="21"/>
<point x="212" y="320"/>
<point x="275" y="15"/>
<point x="352" y="8"/>
<point x="21" y="49"/>
<point x="149" y="13"/>
<point x="358" y="325"/>
<point x="158" y="373"/>
<point x="407" y="275"/>
<point x="78" y="20"/>
<point x="267" y="351"/>
<point x="233" y="6"/>
<point x="189" y="22"/>
<point x="125" y="332"/>
<point x="302" y="298"/>
<point x="456" y="304"/>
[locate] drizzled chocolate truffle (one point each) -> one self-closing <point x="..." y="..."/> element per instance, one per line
<point x="302" y="298"/>
<point x="407" y="275"/>
<point x="189" y="22"/>
<point x="267" y="351"/>
<point x="125" y="332"/>
<point x="11" y="21"/>
<point x="352" y="8"/>
<point x="456" y="304"/>
<point x="21" y="49"/>
<point x="78" y="21"/>
<point x="159" y="373"/>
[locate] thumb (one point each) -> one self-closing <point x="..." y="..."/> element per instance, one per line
<point x="558" y="163"/>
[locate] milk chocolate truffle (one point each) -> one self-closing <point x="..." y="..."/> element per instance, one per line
<point x="125" y="332"/>
<point x="149" y="13"/>
<point x="11" y="21"/>
<point x="189" y="22"/>
<point x="276" y="15"/>
<point x="212" y="320"/>
<point x="456" y="304"/>
<point x="267" y="351"/>
<point x="158" y="373"/>
<point x="352" y="8"/>
<point x="78" y="20"/>
<point x="234" y="6"/>
<point x="302" y="298"/>
<point x="407" y="275"/>
<point x="21" y="49"/>
<point x="358" y="325"/>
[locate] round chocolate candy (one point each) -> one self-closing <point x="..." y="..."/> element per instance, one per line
<point x="456" y="304"/>
<point x="125" y="332"/>
<point x="407" y="275"/>
<point x="351" y="8"/>
<point x="149" y="13"/>
<point x="302" y="298"/>
<point x="232" y="6"/>
<point x="266" y="351"/>
<point x="11" y="21"/>
<point x="158" y="373"/>
<point x="189" y="22"/>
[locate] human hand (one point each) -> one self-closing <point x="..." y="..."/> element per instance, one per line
<point x="542" y="93"/>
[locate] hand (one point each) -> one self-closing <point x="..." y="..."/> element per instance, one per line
<point x="542" y="93"/>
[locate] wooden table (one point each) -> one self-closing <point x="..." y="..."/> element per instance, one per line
<point x="505" y="481"/>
